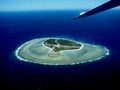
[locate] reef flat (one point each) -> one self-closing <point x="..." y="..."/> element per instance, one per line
<point x="59" y="51"/>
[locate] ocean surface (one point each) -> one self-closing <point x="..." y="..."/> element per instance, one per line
<point x="19" y="27"/>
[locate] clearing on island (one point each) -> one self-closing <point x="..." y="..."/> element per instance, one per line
<point x="59" y="51"/>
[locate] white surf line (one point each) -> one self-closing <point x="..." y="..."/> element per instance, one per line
<point x="17" y="51"/>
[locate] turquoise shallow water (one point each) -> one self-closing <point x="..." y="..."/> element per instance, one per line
<point x="35" y="51"/>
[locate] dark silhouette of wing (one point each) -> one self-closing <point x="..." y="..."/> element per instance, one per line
<point x="106" y="6"/>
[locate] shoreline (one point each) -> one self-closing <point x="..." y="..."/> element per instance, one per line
<point x="65" y="50"/>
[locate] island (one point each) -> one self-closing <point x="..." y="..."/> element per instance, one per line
<point x="61" y="44"/>
<point x="59" y="51"/>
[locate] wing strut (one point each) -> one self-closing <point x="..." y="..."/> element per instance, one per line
<point x="106" y="6"/>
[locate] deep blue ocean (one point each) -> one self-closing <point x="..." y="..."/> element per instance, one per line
<point x="19" y="27"/>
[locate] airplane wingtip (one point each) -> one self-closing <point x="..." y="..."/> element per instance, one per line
<point x="82" y="14"/>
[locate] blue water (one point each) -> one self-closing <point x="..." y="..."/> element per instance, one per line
<point x="18" y="27"/>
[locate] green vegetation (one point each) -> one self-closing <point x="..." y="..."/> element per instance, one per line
<point x="50" y="41"/>
<point x="61" y="44"/>
<point x="67" y="42"/>
<point x="63" y="48"/>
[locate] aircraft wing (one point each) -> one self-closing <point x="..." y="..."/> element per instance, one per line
<point x="106" y="6"/>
